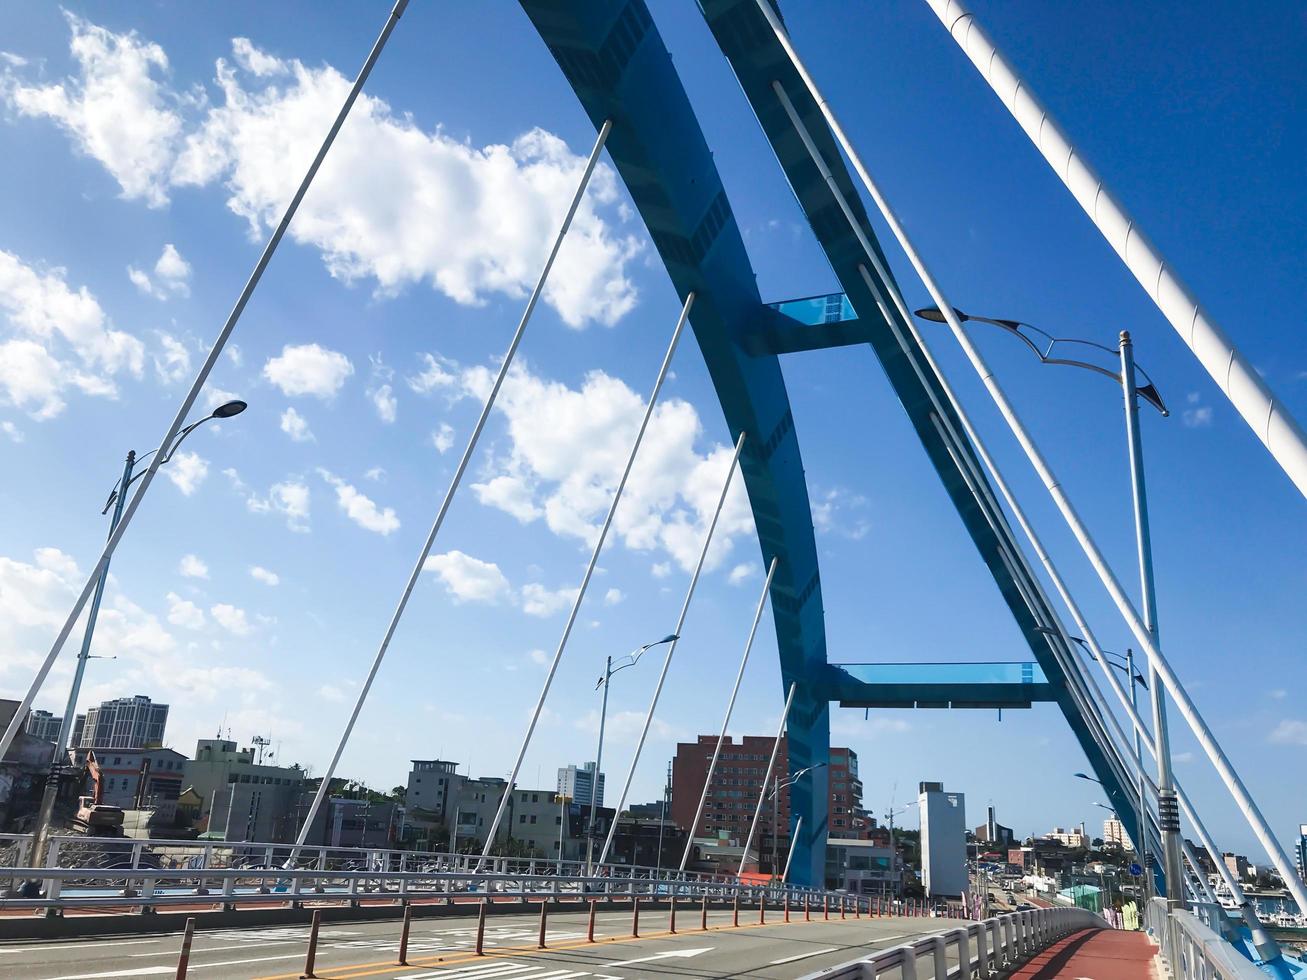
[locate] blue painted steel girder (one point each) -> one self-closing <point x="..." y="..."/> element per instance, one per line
<point x="611" y="53"/>
<point x="747" y="41"/>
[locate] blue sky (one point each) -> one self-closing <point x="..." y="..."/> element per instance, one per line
<point x="137" y="184"/>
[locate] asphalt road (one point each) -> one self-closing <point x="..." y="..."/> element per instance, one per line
<point x="441" y="949"/>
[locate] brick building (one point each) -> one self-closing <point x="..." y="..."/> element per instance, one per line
<point x="738" y="781"/>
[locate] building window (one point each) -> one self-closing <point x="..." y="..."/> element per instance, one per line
<point x="522" y="818"/>
<point x="533" y="818"/>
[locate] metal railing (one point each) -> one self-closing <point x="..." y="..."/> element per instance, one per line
<point x="1193" y="950"/>
<point x="980" y="949"/>
<point x="89" y="872"/>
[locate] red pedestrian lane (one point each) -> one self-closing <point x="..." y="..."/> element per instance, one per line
<point x="1095" y="954"/>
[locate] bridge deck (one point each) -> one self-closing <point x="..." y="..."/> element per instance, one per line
<point x="1104" y="954"/>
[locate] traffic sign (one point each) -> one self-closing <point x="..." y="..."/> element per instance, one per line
<point x="1135" y="869"/>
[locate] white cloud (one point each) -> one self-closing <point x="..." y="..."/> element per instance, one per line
<point x="506" y="200"/>
<point x="191" y="566"/>
<point x="184" y="613"/>
<point x="214" y="396"/>
<point x="538" y="657"/>
<point x="261" y="574"/>
<point x="172" y="362"/>
<point x="661" y="569"/>
<point x="232" y="619"/>
<point x="360" y="508"/>
<point x="377" y="474"/>
<point x="838" y="511"/>
<point x="540" y="601"/>
<point x="510" y="494"/>
<point x="741" y="573"/>
<point x="385" y="402"/>
<point x="613" y="596"/>
<point x="438" y="372"/>
<point x="187" y="471"/>
<point x="330" y="692"/>
<point x="172" y="275"/>
<point x="443" y="438"/>
<point x="1197" y="418"/>
<point x="1278" y="694"/>
<point x="468" y="579"/>
<point x="296" y="426"/>
<point x="568" y="448"/>
<point x="290" y="499"/>
<point x="12" y="431"/>
<point x="1289" y="731"/>
<point x="116" y="111"/>
<point x="308" y="369"/>
<point x="59" y="338"/>
<point x="624" y="727"/>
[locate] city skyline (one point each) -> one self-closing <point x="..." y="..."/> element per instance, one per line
<point x="256" y="585"/>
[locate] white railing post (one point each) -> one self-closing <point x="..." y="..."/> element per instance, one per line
<point x="941" y="957"/>
<point x="909" y="965"/>
<point x="53" y="885"/>
<point x="982" y="951"/>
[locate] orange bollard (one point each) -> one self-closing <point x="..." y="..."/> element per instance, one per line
<point x="635" y="917"/>
<point x="825" y="906"/>
<point x="481" y="929"/>
<point x="183" y="961"/>
<point x="762" y="909"/>
<point x="544" y="911"/>
<point x="590" y="925"/>
<point x="787" y="906"/>
<point x="857" y="907"/>
<point x="403" y="935"/>
<point x="807" y="908"/>
<point x="671" y="918"/>
<point x="312" y="953"/>
<point x="735" y="910"/>
<point x="703" y="921"/>
<point x="844" y="905"/>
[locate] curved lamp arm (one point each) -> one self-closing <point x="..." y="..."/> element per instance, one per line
<point x="1044" y="345"/>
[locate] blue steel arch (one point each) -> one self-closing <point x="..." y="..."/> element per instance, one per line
<point x="613" y="57"/>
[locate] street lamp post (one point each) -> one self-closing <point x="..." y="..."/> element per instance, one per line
<point x="1137" y="680"/>
<point x="893" y="854"/>
<point x="1045" y="346"/>
<point x="630" y="660"/>
<point x="779" y="784"/>
<point x="117" y="500"/>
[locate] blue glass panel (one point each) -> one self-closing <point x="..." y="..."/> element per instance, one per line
<point x="813" y="310"/>
<point x="972" y="673"/>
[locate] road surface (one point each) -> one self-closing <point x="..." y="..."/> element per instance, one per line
<point x="442" y="949"/>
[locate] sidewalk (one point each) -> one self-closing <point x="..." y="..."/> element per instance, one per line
<point x="1095" y="954"/>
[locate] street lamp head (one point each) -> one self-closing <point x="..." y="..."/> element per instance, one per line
<point x="935" y="315"/>
<point x="670" y="638"/>
<point x="228" y="409"/>
<point x="1085" y="775"/>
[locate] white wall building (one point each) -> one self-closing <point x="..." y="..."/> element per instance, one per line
<point x="577" y="782"/>
<point x="943" y="841"/>
<point x="1114" y="833"/>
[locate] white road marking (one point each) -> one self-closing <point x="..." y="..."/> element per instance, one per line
<point x="675" y="953"/>
<point x="144" y="971"/>
<point x="214" y="949"/>
<point x="65" y="946"/>
<point x="802" y="956"/>
<point x="478" y="971"/>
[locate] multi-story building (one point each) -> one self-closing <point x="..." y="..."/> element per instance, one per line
<point x="43" y="725"/>
<point x="943" y="840"/>
<point x="344" y="822"/>
<point x="139" y="779"/>
<point x="1076" y="840"/>
<point x="992" y="835"/>
<point x="1301" y="850"/>
<point x="240" y="799"/>
<point x="737" y="783"/>
<point x="578" y="782"/>
<point x="1237" y="865"/>
<point x="124" y="723"/>
<point x="439" y="796"/>
<point x="862" y="867"/>
<point x="1114" y="833"/>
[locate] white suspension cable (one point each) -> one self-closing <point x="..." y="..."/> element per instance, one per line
<point x="1184" y="703"/>
<point x="20" y="715"/>
<point x="671" y="647"/>
<point x="466" y="458"/>
<point x="585" y="579"/>
<point x="771" y="764"/>
<point x="730" y="707"/>
<point x="1265" y="414"/>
